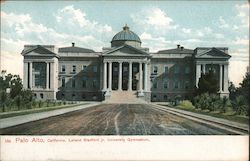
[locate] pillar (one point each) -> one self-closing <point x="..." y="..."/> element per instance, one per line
<point x="140" y="76"/>
<point x="220" y="78"/>
<point x="104" y="76"/>
<point x="226" y="78"/>
<point x="47" y="75"/>
<point x="204" y="68"/>
<point x="25" y="75"/>
<point x="145" y="76"/>
<point x="110" y="76"/>
<point x="30" y="74"/>
<point x="198" y="73"/>
<point x="120" y="76"/>
<point x="130" y="77"/>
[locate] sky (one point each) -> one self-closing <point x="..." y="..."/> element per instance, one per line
<point x="159" y="24"/>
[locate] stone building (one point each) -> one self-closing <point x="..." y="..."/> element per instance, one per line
<point x="76" y="73"/>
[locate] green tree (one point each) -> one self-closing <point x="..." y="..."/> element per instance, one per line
<point x="208" y="83"/>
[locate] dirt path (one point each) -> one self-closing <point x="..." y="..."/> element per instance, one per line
<point x="114" y="119"/>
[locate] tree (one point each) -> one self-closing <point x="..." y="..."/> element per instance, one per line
<point x="208" y="83"/>
<point x="232" y="91"/>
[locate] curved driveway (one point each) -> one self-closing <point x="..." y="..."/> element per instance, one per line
<point x="115" y="119"/>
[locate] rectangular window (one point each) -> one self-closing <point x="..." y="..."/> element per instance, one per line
<point x="94" y="83"/>
<point x="176" y="69"/>
<point x="187" y="70"/>
<point x="63" y="82"/>
<point x="84" y="67"/>
<point x="73" y="68"/>
<point x="186" y="84"/>
<point x="155" y="85"/>
<point x="63" y="68"/>
<point x="176" y="85"/>
<point x="166" y="69"/>
<point x="165" y="85"/>
<point x="95" y="68"/>
<point x="73" y="83"/>
<point x="155" y="70"/>
<point x="84" y="82"/>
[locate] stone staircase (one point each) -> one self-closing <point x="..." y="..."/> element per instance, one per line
<point x="123" y="97"/>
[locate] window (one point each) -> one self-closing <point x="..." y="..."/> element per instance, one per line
<point x="155" y="84"/>
<point x="186" y="84"/>
<point x="176" y="69"/>
<point x="73" y="68"/>
<point x="187" y="70"/>
<point x="125" y="69"/>
<point x="94" y="83"/>
<point x="41" y="95"/>
<point x="135" y="69"/>
<point x="63" y="68"/>
<point x="95" y="68"/>
<point x="176" y="84"/>
<point x="63" y="82"/>
<point x="166" y="69"/>
<point x="73" y="83"/>
<point x="155" y="70"/>
<point x="165" y="97"/>
<point x="165" y="85"/>
<point x="84" y="67"/>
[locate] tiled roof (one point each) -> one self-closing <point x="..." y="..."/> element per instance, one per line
<point x="176" y="51"/>
<point x="74" y="49"/>
<point x="126" y="34"/>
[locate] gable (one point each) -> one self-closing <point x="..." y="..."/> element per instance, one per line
<point x="126" y="50"/>
<point x="38" y="51"/>
<point x="213" y="53"/>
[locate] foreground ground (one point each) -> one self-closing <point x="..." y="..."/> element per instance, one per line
<point x="115" y="119"/>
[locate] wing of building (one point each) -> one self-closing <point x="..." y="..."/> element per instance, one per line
<point x="123" y="70"/>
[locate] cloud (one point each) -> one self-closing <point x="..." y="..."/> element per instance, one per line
<point x="186" y="30"/>
<point x="223" y="23"/>
<point x="241" y="41"/>
<point x="153" y="19"/>
<point x="243" y="14"/>
<point x="237" y="70"/>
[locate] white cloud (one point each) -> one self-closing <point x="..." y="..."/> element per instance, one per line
<point x="186" y="30"/>
<point x="243" y="14"/>
<point x="241" y="41"/>
<point x="223" y="23"/>
<point x="153" y="19"/>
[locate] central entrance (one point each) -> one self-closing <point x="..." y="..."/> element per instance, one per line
<point x="125" y="76"/>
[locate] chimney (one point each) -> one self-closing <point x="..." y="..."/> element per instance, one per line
<point x="178" y="46"/>
<point x="182" y="47"/>
<point x="73" y="44"/>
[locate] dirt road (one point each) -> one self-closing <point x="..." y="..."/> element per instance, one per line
<point x="114" y="119"/>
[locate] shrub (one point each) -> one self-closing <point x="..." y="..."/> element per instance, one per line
<point x="186" y="104"/>
<point x="240" y="106"/>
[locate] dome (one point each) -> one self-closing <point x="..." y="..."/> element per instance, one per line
<point x="125" y="36"/>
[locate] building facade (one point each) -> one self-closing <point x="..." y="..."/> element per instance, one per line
<point x="75" y="73"/>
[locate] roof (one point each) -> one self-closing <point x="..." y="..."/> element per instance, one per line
<point x="39" y="49"/>
<point x="126" y="35"/>
<point x="74" y="49"/>
<point x="176" y="51"/>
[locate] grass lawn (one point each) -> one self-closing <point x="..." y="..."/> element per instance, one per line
<point x="36" y="110"/>
<point x="231" y="116"/>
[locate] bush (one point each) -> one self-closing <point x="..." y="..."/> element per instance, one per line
<point x="186" y="104"/>
<point x="241" y="106"/>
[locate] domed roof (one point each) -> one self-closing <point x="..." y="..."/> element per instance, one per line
<point x="126" y="35"/>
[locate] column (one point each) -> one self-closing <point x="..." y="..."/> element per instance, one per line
<point x="140" y="77"/>
<point x="120" y="77"/>
<point x="25" y="75"/>
<point x="130" y="77"/>
<point x="110" y="76"/>
<point x="226" y="78"/>
<point x="220" y="78"/>
<point x="198" y="73"/>
<point x="104" y="76"/>
<point x="204" y="68"/>
<point x="47" y="75"/>
<point x="30" y="74"/>
<point x="145" y="77"/>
